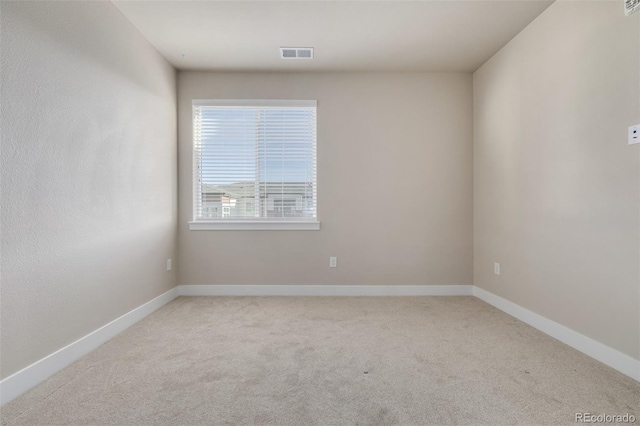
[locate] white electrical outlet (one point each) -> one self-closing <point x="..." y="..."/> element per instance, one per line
<point x="333" y="262"/>
<point x="496" y="268"/>
<point x="169" y="267"/>
<point x="634" y="134"/>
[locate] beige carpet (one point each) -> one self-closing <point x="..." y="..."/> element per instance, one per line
<point x="327" y="361"/>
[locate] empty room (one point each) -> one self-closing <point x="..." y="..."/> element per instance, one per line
<point x="319" y="212"/>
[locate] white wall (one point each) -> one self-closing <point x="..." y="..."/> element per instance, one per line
<point x="394" y="183"/>
<point x="557" y="188"/>
<point x="88" y="173"/>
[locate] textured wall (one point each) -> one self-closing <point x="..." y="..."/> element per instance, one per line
<point x="557" y="188"/>
<point x="88" y="173"/>
<point x="394" y="183"/>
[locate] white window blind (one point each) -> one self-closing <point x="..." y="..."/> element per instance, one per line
<point x="254" y="161"/>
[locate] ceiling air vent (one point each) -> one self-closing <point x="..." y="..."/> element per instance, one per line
<point x="298" y="52"/>
<point x="631" y="6"/>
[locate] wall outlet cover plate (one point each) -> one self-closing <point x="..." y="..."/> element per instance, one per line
<point x="634" y="134"/>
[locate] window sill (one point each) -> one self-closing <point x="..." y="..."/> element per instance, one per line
<point x="253" y="225"/>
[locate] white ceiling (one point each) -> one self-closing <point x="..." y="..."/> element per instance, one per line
<point x="446" y="35"/>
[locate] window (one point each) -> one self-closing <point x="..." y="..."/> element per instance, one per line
<point x="209" y="212"/>
<point x="255" y="162"/>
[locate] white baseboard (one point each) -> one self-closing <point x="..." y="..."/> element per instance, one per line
<point x="23" y="380"/>
<point x="326" y="290"/>
<point x="599" y="351"/>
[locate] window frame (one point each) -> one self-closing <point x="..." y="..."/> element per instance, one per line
<point x="262" y="224"/>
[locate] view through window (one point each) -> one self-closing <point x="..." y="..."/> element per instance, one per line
<point x="254" y="160"/>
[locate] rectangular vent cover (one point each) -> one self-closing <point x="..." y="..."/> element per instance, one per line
<point x="297" y="52"/>
<point x="631" y="6"/>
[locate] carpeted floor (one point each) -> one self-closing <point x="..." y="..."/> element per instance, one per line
<point x="327" y="361"/>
